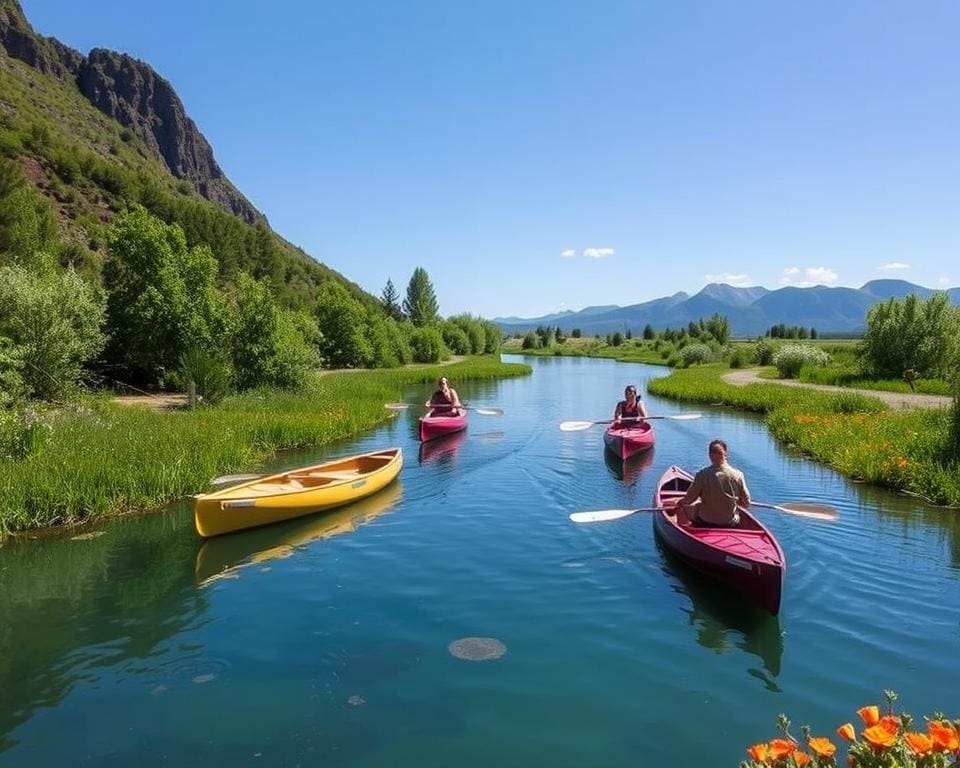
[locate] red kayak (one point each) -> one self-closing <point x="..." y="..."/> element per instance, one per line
<point x="747" y="558"/>
<point x="437" y="426"/>
<point x="629" y="441"/>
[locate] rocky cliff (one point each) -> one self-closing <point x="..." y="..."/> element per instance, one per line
<point x="132" y="93"/>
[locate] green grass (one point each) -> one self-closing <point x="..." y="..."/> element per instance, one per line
<point x="855" y="434"/>
<point x="100" y="458"/>
<point x="630" y="351"/>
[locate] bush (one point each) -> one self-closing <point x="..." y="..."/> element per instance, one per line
<point x="457" y="340"/>
<point x="427" y="345"/>
<point x="673" y="360"/>
<point x="53" y="321"/>
<point x="696" y="354"/>
<point x="210" y="372"/>
<point x="21" y="432"/>
<point x="738" y="359"/>
<point x="913" y="333"/>
<point x="790" y="358"/>
<point x="531" y="341"/>
<point x="765" y="350"/>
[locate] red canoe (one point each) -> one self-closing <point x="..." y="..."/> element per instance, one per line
<point x="629" y="441"/>
<point x="747" y="558"/>
<point x="437" y="426"/>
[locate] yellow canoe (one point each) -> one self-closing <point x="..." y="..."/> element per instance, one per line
<point x="226" y="557"/>
<point x="295" y="493"/>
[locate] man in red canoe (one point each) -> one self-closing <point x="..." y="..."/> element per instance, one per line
<point x="445" y="401"/>
<point x="630" y="410"/>
<point x="721" y="489"/>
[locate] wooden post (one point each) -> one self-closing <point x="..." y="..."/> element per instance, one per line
<point x="192" y="393"/>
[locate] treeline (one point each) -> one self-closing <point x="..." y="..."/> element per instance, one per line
<point x="783" y="331"/>
<point x="715" y="328"/>
<point x="160" y="314"/>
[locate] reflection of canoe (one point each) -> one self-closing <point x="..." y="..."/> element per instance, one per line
<point x="295" y="493"/>
<point x="747" y="558"/>
<point x="432" y="427"/>
<point x="628" y="471"/>
<point x="625" y="442"/>
<point x="447" y="445"/>
<point x="225" y="556"/>
<point x="722" y="620"/>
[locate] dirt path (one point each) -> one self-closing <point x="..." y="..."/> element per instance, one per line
<point x="897" y="400"/>
<point x="167" y="402"/>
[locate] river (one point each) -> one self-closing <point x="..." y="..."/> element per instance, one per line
<point x="326" y="641"/>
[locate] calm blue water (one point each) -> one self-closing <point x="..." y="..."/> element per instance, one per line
<point x="325" y="642"/>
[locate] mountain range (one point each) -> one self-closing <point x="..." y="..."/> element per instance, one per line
<point x="751" y="311"/>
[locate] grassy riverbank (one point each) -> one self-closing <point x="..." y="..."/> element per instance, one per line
<point x="904" y="450"/>
<point x="630" y="351"/>
<point x="98" y="458"/>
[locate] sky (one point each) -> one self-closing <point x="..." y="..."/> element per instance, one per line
<point x="541" y="156"/>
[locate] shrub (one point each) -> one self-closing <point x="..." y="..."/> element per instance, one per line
<point x="694" y="354"/>
<point x="790" y="358"/>
<point x="427" y="345"/>
<point x="765" y="350"/>
<point x="457" y="340"/>
<point x="673" y="360"/>
<point x="210" y="373"/>
<point x="531" y="341"/>
<point x="913" y="333"/>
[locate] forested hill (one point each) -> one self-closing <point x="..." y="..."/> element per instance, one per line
<point x="94" y="134"/>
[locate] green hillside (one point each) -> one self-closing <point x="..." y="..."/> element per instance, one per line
<point x="85" y="167"/>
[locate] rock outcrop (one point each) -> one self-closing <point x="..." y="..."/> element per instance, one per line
<point x="131" y="92"/>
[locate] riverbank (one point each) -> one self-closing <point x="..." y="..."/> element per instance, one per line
<point x="857" y="435"/>
<point x="97" y="458"/>
<point x="630" y="351"/>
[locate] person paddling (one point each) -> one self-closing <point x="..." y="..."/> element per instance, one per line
<point x="721" y="489"/>
<point x="444" y="401"/>
<point x="630" y="410"/>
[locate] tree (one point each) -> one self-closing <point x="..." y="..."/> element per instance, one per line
<point x="628" y="334"/>
<point x="913" y="334"/>
<point x="719" y="327"/>
<point x="390" y="301"/>
<point x="617" y="339"/>
<point x="53" y="323"/>
<point x="531" y="340"/>
<point x="161" y="297"/>
<point x="576" y="333"/>
<point x="342" y="321"/>
<point x="648" y="333"/>
<point x="421" y="303"/>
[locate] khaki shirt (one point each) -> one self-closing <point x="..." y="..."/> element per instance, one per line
<point x="720" y="490"/>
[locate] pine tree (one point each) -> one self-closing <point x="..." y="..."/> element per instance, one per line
<point x="421" y="303"/>
<point x="390" y="301"/>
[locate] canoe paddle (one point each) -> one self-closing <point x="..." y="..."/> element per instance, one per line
<point x="577" y="426"/>
<point x="801" y="509"/>
<point x="481" y="411"/>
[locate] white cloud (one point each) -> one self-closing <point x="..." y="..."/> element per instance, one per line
<point x="598" y="253"/>
<point x="811" y="276"/>
<point x="739" y="281"/>
<point x="893" y="266"/>
<point x="944" y="281"/>
<point x="569" y="253"/>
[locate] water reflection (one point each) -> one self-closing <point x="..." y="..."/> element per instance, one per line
<point x="66" y="597"/>
<point x="443" y="448"/>
<point x="628" y="471"/>
<point x="722" y="619"/>
<point x="226" y="556"/>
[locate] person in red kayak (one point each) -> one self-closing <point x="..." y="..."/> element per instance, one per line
<point x="721" y="489"/>
<point x="444" y="401"/>
<point x="630" y="410"/>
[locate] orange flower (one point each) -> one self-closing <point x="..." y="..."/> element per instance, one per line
<point x="800" y="758"/>
<point x="919" y="743"/>
<point x="879" y="737"/>
<point x="846" y="732"/>
<point x="944" y="735"/>
<point x="779" y="748"/>
<point x="758" y="753"/>
<point x="822" y="746"/>
<point x="870" y="715"/>
<point x="890" y="723"/>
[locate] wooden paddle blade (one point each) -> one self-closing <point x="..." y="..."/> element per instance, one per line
<point x="605" y="515"/>
<point x="802" y="509"/>
<point x="488" y="411"/>
<point x="815" y="511"/>
<point x="396" y="406"/>
<point x="576" y="426"/>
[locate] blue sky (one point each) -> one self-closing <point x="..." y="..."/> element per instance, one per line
<point x="551" y="155"/>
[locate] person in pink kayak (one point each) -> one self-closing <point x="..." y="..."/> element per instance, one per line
<point x="721" y="489"/>
<point x="444" y="401"/>
<point x="630" y="410"/>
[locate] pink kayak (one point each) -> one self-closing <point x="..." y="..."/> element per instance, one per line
<point x="629" y="441"/>
<point x="436" y="426"/>
<point x="747" y="558"/>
